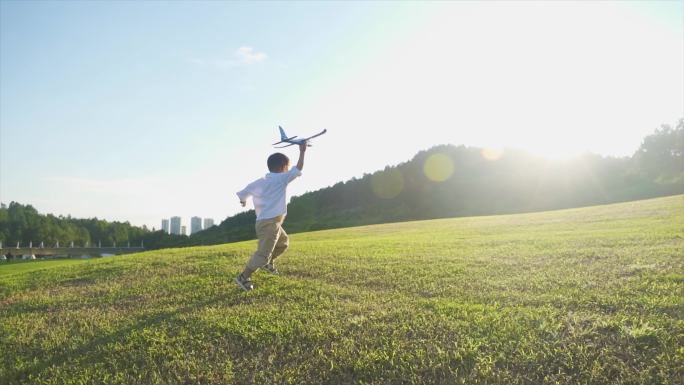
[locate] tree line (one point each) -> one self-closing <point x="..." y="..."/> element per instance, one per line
<point x="23" y="223"/>
<point x="444" y="181"/>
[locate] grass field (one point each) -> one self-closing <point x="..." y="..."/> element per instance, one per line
<point x="583" y="296"/>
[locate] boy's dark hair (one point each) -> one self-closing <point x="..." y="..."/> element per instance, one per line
<point x="277" y="161"/>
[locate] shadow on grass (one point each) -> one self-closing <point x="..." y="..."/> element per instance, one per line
<point x="90" y="349"/>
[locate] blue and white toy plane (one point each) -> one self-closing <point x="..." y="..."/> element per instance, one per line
<point x="292" y="141"/>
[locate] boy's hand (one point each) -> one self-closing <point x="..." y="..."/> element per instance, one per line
<point x="303" y="146"/>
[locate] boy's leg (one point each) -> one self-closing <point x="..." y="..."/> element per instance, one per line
<point x="267" y="232"/>
<point x="281" y="244"/>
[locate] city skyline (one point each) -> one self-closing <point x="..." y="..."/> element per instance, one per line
<point x="174" y="225"/>
<point x="208" y="222"/>
<point x="195" y="225"/>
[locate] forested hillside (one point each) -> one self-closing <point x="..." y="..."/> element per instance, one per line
<point x="444" y="181"/>
<point x="451" y="181"/>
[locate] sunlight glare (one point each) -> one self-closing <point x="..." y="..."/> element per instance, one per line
<point x="492" y="153"/>
<point x="438" y="167"/>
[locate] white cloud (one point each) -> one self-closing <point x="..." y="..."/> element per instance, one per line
<point x="242" y="56"/>
<point x="247" y="55"/>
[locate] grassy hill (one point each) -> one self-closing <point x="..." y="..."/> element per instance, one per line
<point x="448" y="181"/>
<point x="582" y="296"/>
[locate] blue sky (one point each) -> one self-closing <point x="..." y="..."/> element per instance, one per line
<point x="143" y="110"/>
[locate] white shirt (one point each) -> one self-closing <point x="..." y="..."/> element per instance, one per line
<point x="268" y="193"/>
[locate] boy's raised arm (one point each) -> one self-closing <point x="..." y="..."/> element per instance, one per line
<point x="302" y="150"/>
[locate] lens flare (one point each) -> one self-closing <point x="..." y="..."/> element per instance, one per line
<point x="438" y="167"/>
<point x="387" y="184"/>
<point x="492" y="153"/>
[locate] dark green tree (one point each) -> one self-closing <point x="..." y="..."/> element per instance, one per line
<point x="660" y="156"/>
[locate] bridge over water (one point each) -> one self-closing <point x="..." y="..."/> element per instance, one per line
<point x="19" y="250"/>
<point x="37" y="251"/>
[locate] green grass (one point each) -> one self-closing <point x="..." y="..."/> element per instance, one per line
<point x="583" y="296"/>
<point x="16" y="267"/>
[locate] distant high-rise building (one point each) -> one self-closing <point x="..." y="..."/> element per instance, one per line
<point x="195" y="225"/>
<point x="184" y="230"/>
<point x="175" y="225"/>
<point x="208" y="222"/>
<point x="165" y="225"/>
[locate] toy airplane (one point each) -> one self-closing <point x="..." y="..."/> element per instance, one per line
<point x="292" y="141"/>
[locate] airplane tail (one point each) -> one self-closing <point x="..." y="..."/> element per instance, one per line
<point x="283" y="136"/>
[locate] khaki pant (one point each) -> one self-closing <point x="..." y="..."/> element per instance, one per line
<point x="273" y="241"/>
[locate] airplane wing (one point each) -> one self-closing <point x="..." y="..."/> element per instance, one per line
<point x="319" y="134"/>
<point x="288" y="140"/>
<point x="291" y="144"/>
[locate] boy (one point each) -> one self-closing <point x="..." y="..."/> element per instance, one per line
<point x="268" y="195"/>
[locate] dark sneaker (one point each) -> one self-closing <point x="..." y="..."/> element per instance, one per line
<point x="244" y="283"/>
<point x="271" y="269"/>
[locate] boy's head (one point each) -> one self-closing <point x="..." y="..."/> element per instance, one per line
<point x="278" y="162"/>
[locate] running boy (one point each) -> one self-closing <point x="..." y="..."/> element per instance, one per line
<point x="268" y="194"/>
